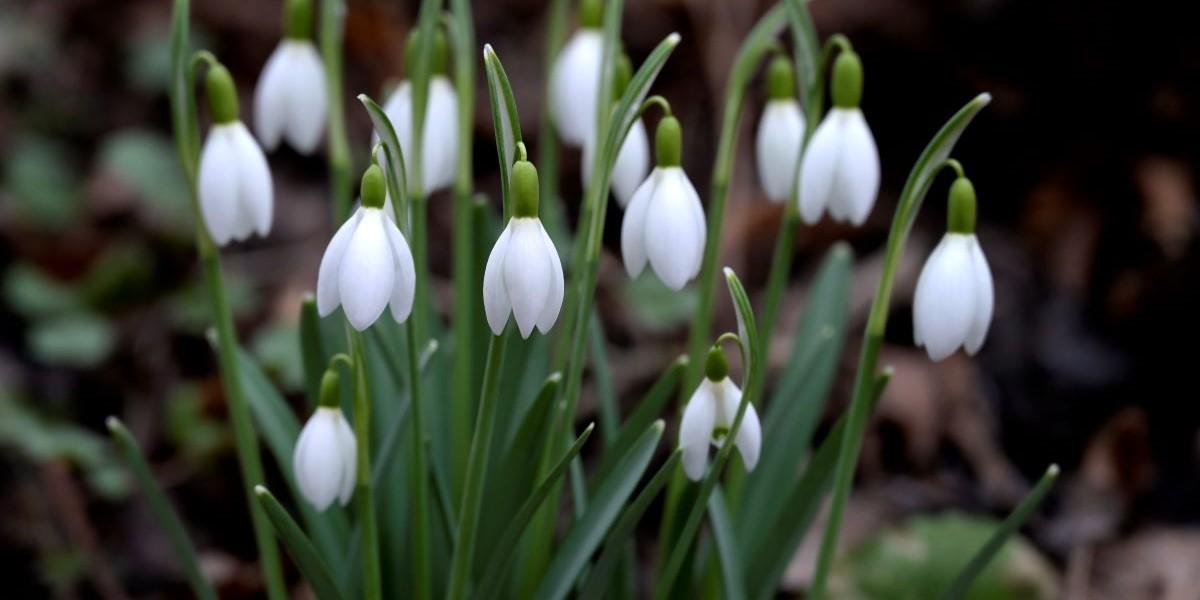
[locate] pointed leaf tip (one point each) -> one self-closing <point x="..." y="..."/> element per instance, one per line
<point x="1052" y="471"/>
<point x="112" y="423"/>
<point x="261" y="491"/>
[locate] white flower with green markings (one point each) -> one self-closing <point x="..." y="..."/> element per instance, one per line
<point x="290" y="101"/>
<point x="324" y="457"/>
<point x="439" y="137"/>
<point x="633" y="158"/>
<point x="709" y="416"/>
<point x="575" y="78"/>
<point x="780" y="132"/>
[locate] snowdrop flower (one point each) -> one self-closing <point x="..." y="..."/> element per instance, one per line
<point x="840" y="169"/>
<point x="290" y="101"/>
<point x="709" y="416"/>
<point x="664" y="223"/>
<point x="324" y="458"/>
<point x="633" y="159"/>
<point x="953" y="303"/>
<point x="439" y="138"/>
<point x="367" y="265"/>
<point x="234" y="185"/>
<point x="523" y="275"/>
<point x="780" y="132"/>
<point x="575" y="78"/>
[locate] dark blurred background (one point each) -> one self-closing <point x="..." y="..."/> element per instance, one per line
<point x="1084" y="163"/>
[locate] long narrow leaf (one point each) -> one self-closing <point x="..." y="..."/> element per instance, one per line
<point x="299" y="547"/>
<point x="646" y="412"/>
<point x="505" y="119"/>
<point x="397" y="178"/>
<point x="727" y="550"/>
<point x="312" y="351"/>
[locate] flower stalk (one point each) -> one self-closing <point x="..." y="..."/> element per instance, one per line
<point x="363" y="494"/>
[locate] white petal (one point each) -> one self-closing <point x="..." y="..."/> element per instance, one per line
<point x="674" y="244"/>
<point x="554" y="301"/>
<point x="527" y="273"/>
<point x="777" y="144"/>
<point x="574" y="82"/>
<point x="348" y="451"/>
<point x="857" y="175"/>
<point x="818" y="166"/>
<point x="271" y="97"/>
<point x="633" y="162"/>
<point x="218" y="184"/>
<point x="367" y="273"/>
<point x="307" y="102"/>
<point x="984" y="298"/>
<point x="317" y="462"/>
<point x="495" y="298"/>
<point x="633" y="226"/>
<point x="749" y="436"/>
<point x="698" y="224"/>
<point x="399" y="111"/>
<point x="405" y="284"/>
<point x="943" y="304"/>
<point x="695" y="430"/>
<point x="328" y="297"/>
<point x="256" y="195"/>
<point x="440" y="139"/>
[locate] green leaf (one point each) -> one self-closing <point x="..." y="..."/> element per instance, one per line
<point x="299" y="547"/>
<point x="80" y="340"/>
<point x="497" y="564"/>
<point x="505" y="119"/>
<point x="277" y="349"/>
<point x="33" y="294"/>
<point x="181" y="542"/>
<point x="647" y="411"/>
<point x="312" y="350"/>
<point x="393" y="167"/>
<point x="657" y="307"/>
<point x="811" y="80"/>
<point x="604" y="506"/>
<point x="145" y="161"/>
<point x="727" y="549"/>
<point x="600" y="577"/>
<point x="42" y="183"/>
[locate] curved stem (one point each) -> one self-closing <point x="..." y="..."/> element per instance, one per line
<point x="658" y="101"/>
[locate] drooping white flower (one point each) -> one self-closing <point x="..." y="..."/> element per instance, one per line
<point x="954" y="299"/>
<point x="290" y="100"/>
<point x="367" y="265"/>
<point x="780" y="132"/>
<point x="324" y="458"/>
<point x="523" y="275"/>
<point x="629" y="171"/>
<point x="664" y="223"/>
<point x="439" y="140"/>
<point x="234" y="183"/>
<point x="709" y="416"/>
<point x="840" y="169"/>
<point x="575" y="83"/>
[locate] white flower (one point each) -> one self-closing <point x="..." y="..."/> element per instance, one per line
<point x="290" y="100"/>
<point x="633" y="162"/>
<point x="574" y="84"/>
<point x="664" y="225"/>
<point x="780" y="137"/>
<point x="439" y="141"/>
<point x="840" y="170"/>
<point x="366" y="267"/>
<point x="708" y="418"/>
<point x="953" y="303"/>
<point x="523" y="276"/>
<point x="324" y="458"/>
<point x="235" y="189"/>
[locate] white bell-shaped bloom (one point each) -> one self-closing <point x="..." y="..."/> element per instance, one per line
<point x="778" y="142"/>
<point x="324" y="458"/>
<point x="840" y="170"/>
<point x="234" y="186"/>
<point x="631" y="167"/>
<point x="439" y="141"/>
<point x="953" y="303"/>
<point x="290" y="100"/>
<point x="574" y="85"/>
<point x="367" y="265"/>
<point x="708" y="418"/>
<point x="524" y="277"/>
<point x="665" y="226"/>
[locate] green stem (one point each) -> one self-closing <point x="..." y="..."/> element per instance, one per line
<point x="363" y="493"/>
<point x="418" y="473"/>
<point x="553" y="213"/>
<point x="332" y="15"/>
<point x="477" y="466"/>
<point x="419" y="321"/>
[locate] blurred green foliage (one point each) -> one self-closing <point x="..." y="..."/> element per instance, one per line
<point x="655" y="306"/>
<point x="146" y="162"/>
<point x="42" y="183"/>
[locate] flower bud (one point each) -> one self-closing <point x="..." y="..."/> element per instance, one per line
<point x="222" y="94"/>
<point x="847" y="80"/>
<point x="591" y="14"/>
<point x="297" y="19"/>
<point x="374" y="187"/>
<point x="961" y="218"/>
<point x="330" y="389"/>
<point x="524" y="189"/>
<point x="716" y="366"/>
<point x="781" y="80"/>
<point x="668" y="142"/>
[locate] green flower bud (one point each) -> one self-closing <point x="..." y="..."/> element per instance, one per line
<point x="222" y="94"/>
<point x="668" y="142"/>
<point x="438" y="60"/>
<point x="716" y="367"/>
<point x="374" y="188"/>
<point x="297" y="19"/>
<point x="330" y="390"/>
<point x="781" y="80"/>
<point x="524" y="189"/>
<point x="591" y="14"/>
<point x="961" y="218"/>
<point x="847" y="80"/>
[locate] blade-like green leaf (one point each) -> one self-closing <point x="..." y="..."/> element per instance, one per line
<point x="427" y="21"/>
<point x="393" y="167"/>
<point x="1019" y="515"/>
<point x="302" y="551"/>
<point x="600" y="576"/>
<point x="807" y="56"/>
<point x="727" y="548"/>
<point x="646" y="412"/>
<point x="311" y="350"/>
<point x="506" y="120"/>
<point x="181" y="542"/>
<point x="497" y="564"/>
<point x="589" y="530"/>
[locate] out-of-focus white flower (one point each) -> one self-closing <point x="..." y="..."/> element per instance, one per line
<point x="709" y="416"/>
<point x="234" y="183"/>
<point x="840" y="169"/>
<point x="954" y="299"/>
<point x="633" y="162"/>
<point x="523" y="275"/>
<point x="324" y="458"/>
<point x="290" y="102"/>
<point x="780" y="132"/>
<point x="575" y="78"/>
<point x="439" y="140"/>
<point x="664" y="224"/>
<point x="367" y="265"/>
